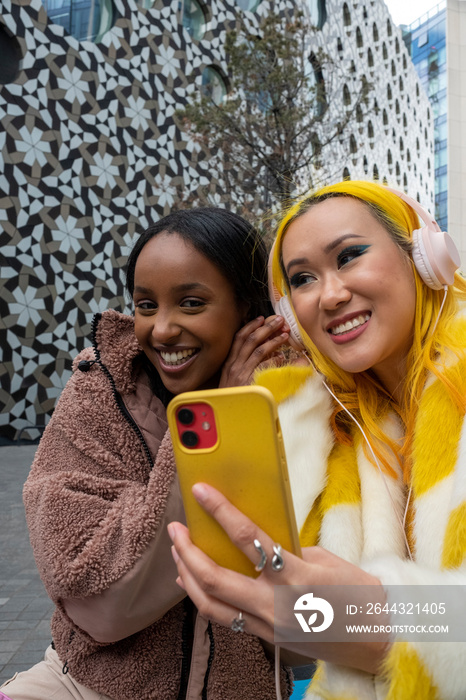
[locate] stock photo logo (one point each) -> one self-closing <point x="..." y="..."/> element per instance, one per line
<point x="313" y="605"/>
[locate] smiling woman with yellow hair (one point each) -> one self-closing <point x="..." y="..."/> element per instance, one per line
<point x="374" y="436"/>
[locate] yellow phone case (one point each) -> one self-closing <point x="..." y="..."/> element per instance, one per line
<point x="247" y="464"/>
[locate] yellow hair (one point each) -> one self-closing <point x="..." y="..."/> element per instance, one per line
<point x="361" y="393"/>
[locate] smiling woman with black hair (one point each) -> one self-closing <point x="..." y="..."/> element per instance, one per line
<point x="103" y="484"/>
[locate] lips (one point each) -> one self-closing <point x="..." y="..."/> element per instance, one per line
<point x="176" y="359"/>
<point x="349" y="325"/>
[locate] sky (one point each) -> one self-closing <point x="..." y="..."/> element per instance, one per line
<point x="406" y="11"/>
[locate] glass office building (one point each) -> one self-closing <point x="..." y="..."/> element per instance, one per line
<point x="426" y="41"/>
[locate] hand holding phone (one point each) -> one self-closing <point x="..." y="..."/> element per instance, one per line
<point x="231" y="439"/>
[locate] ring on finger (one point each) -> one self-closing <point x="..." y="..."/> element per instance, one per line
<point x="277" y="560"/>
<point x="237" y="624"/>
<point x="263" y="555"/>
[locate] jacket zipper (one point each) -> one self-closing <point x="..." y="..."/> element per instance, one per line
<point x="118" y="399"/>
<point x="187" y="648"/>
<point x="65" y="668"/>
<point x="209" y="661"/>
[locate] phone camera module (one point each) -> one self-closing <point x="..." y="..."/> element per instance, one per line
<point x="189" y="438"/>
<point x="185" y="416"/>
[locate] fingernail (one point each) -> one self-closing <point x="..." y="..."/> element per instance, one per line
<point x="200" y="492"/>
<point x="277" y="321"/>
<point x="284" y="335"/>
<point x="171" y="531"/>
<point x="180" y="583"/>
<point x="175" y="555"/>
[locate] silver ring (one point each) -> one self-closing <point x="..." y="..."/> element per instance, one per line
<point x="237" y="624"/>
<point x="263" y="560"/>
<point x="277" y="559"/>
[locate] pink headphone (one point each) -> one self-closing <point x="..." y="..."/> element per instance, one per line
<point x="434" y="254"/>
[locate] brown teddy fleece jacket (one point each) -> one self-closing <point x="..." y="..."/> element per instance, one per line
<point x="101" y="490"/>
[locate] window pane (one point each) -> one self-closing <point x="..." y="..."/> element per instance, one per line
<point x="193" y="19"/>
<point x="250" y="5"/>
<point x="317" y="12"/>
<point x="83" y="19"/>
<point x="213" y="85"/>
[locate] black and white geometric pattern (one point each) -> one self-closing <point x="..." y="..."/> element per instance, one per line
<point x="90" y="154"/>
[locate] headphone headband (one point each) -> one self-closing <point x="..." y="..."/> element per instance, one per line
<point x="426" y="217"/>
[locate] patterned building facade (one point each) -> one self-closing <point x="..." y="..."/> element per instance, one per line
<point x="91" y="152"/>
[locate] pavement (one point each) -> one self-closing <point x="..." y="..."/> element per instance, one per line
<point x="25" y="609"/>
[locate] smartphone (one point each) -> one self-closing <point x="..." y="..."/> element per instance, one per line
<point x="231" y="439"/>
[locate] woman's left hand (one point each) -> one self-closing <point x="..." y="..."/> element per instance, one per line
<point x="220" y="593"/>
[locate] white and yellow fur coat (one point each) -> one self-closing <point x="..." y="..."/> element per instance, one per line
<point x="342" y="504"/>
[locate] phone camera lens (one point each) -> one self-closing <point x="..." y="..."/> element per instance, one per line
<point x="189" y="438"/>
<point x="185" y="416"/>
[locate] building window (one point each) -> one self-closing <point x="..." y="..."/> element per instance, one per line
<point x="318" y="12"/>
<point x="405" y="64"/>
<point x="385" y="117"/>
<point x="375" y="32"/>
<point x="375" y="172"/>
<point x="10" y="52"/>
<point x="389" y="157"/>
<point x="194" y="19"/>
<point x="84" y="19"/>
<point x="248" y="5"/>
<point x="213" y="85"/>
<point x="346" y="15"/>
<point x="316" y="149"/>
<point x="389" y="28"/>
<point x="359" y="115"/>
<point x="346" y="95"/>
<point x="353" y="145"/>
<point x="319" y="86"/>
<point x="370" y="58"/>
<point x="365" y="165"/>
<point x="397" y="106"/>
<point x="389" y="92"/>
<point x="401" y="84"/>
<point x="346" y="174"/>
<point x="384" y="51"/>
<point x="402" y="146"/>
<point x="359" y="40"/>
<point x="370" y="129"/>
<point x="405" y="183"/>
<point x="393" y="67"/>
<point x="397" y="45"/>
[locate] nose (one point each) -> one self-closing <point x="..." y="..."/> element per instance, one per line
<point x="334" y="292"/>
<point x="165" y="328"/>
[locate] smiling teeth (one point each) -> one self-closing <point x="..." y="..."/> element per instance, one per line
<point x="350" y="325"/>
<point x="176" y="358"/>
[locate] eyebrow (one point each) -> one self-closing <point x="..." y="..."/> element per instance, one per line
<point x="328" y="249"/>
<point x="186" y="287"/>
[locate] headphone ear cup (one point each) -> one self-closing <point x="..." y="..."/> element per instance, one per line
<point x="435" y="256"/>
<point x="282" y="307"/>
<point x="421" y="261"/>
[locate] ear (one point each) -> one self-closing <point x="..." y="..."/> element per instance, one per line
<point x="245" y="310"/>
